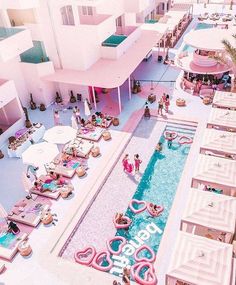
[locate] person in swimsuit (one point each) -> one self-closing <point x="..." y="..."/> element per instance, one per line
<point x="126" y="276"/>
<point x="137" y="162"/>
<point x="160" y="107"/>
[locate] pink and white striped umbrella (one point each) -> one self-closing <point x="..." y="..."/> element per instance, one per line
<point x="213" y="211"/>
<point x="201" y="261"/>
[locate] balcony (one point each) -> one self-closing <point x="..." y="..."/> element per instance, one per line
<point x="36" y="54"/>
<point x="116" y="45"/>
<point x="19" y="4"/>
<point x="93" y="20"/>
<point x="204" y="60"/>
<point x="13" y="42"/>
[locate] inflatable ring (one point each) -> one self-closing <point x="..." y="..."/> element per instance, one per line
<point x="85" y="256"/>
<point x="138" y="202"/>
<point x="149" y="276"/>
<point x="99" y="258"/>
<point x="123" y="226"/>
<point x="185" y="140"/>
<point x="168" y="133"/>
<point x="144" y="259"/>
<point x="152" y="212"/>
<point x="116" y="238"/>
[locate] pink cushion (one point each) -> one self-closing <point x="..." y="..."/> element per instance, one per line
<point x="16" y="211"/>
<point x="21" y="203"/>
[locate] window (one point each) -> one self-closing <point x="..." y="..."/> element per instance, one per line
<point x="87" y="11"/>
<point x="67" y="15"/>
<point x="119" y="22"/>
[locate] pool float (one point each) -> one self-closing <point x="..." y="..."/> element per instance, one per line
<point x="152" y="212"/>
<point x="122" y="226"/>
<point x="129" y="167"/>
<point x="168" y="133"/>
<point x="99" y="258"/>
<point x="144" y="259"/>
<point x="120" y="246"/>
<point x="185" y="140"/>
<point x="85" y="256"/>
<point x="149" y="276"/>
<point x="138" y="202"/>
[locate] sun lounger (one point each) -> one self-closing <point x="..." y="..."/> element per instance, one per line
<point x="92" y="135"/>
<point x="83" y="147"/>
<point x="28" y="212"/>
<point x="50" y="190"/>
<point x="9" y="242"/>
<point x="65" y="169"/>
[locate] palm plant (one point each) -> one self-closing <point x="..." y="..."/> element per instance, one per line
<point x="231" y="52"/>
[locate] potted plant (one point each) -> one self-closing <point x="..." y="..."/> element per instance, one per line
<point x="27" y="120"/>
<point x="32" y="103"/>
<point x="42" y="107"/>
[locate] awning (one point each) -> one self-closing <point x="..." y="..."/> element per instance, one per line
<point x="224" y="99"/>
<point x="201" y="261"/>
<point x="220" y="141"/>
<point x="214" y="170"/>
<point x="213" y="211"/>
<point x="222" y="118"/>
<point x="107" y="73"/>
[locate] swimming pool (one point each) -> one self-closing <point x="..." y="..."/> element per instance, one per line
<point x="199" y="26"/>
<point x="158" y="185"/>
<point x="7" y="240"/>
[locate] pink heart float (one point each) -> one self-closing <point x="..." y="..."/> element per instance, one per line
<point x="144" y="259"/>
<point x="117" y="238"/>
<point x="123" y="226"/>
<point x="85" y="256"/>
<point x="149" y="276"/>
<point x="185" y="140"/>
<point x="138" y="202"/>
<point x="99" y="258"/>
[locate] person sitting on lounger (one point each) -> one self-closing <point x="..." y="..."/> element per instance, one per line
<point x="13" y="228"/>
<point x="38" y="186"/>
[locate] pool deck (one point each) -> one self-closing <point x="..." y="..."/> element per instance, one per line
<point x="44" y="267"/>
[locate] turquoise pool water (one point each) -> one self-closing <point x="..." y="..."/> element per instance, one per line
<point x="200" y="26"/>
<point x="36" y="54"/>
<point x="7" y="239"/>
<point x="114" y="40"/>
<point x="158" y="185"/>
<point x="8" y="32"/>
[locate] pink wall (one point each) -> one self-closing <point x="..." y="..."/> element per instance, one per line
<point x="43" y="92"/>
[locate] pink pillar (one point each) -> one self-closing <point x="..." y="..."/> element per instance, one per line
<point x="129" y="82"/>
<point x="94" y="98"/>
<point x="118" y="90"/>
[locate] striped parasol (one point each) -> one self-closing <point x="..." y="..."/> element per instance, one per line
<point x="222" y="117"/>
<point x="210" y="210"/>
<point x="220" y="171"/>
<point x="198" y="260"/>
<point x="224" y="99"/>
<point x="220" y="141"/>
<point x="3" y="214"/>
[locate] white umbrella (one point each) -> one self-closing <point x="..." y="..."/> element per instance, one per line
<point x="39" y="154"/>
<point x="60" y="134"/>
<point x="3" y="213"/>
<point x="86" y="108"/>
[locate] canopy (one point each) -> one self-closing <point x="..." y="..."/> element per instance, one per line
<point x="210" y="210"/>
<point x="198" y="260"/>
<point x="208" y="39"/>
<point x="39" y="154"/>
<point x="219" y="141"/>
<point x="60" y="134"/>
<point x="222" y="118"/>
<point x="224" y="99"/>
<point x="216" y="171"/>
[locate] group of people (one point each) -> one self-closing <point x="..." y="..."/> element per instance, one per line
<point x="163" y="103"/>
<point x="128" y="167"/>
<point x="39" y="184"/>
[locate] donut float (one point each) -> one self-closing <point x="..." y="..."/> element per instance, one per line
<point x="152" y="212"/>
<point x="98" y="260"/>
<point x="85" y="256"/>
<point x="149" y="276"/>
<point x="185" y="140"/>
<point x="168" y="133"/>
<point x="122" y="226"/>
<point x="109" y="243"/>
<point x="137" y="202"/>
